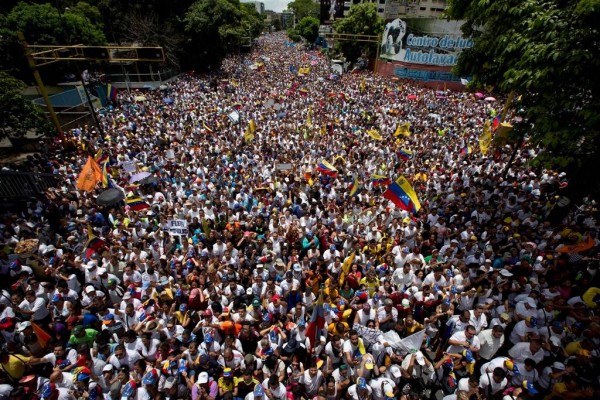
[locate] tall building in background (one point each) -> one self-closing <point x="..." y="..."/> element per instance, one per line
<point x="288" y="19"/>
<point x="260" y="7"/>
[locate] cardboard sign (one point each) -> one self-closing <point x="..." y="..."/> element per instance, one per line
<point x="283" y="167"/>
<point x="129" y="167"/>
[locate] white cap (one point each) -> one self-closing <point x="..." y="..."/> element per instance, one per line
<point x="420" y="358"/>
<point x="101" y="271"/>
<point x="505" y="272"/>
<point x="202" y="378"/>
<point x="90" y="289"/>
<point x="107" y="367"/>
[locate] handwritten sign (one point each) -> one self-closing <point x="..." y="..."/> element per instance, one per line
<point x="177" y="227"/>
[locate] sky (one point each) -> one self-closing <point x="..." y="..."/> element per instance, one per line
<point x="274" y="5"/>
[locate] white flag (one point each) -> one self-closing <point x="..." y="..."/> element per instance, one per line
<point x="234" y="117"/>
<point x="409" y="344"/>
<point x="464" y="81"/>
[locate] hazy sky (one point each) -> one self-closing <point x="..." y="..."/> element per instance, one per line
<point x="274" y="5"/>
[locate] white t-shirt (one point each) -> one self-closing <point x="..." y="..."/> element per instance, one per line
<point x="489" y="385"/>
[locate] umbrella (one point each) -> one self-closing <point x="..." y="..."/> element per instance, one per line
<point x="150" y="180"/>
<point x="168" y="100"/>
<point x="490" y="99"/>
<point x="479" y="95"/>
<point x="139" y="176"/>
<point x="412" y="97"/>
<point x="110" y="196"/>
<point x="139" y="98"/>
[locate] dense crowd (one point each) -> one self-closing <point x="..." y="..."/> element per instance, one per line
<point x="290" y="283"/>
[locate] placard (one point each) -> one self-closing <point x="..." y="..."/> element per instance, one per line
<point x="177" y="227"/>
<point x="129" y="167"/>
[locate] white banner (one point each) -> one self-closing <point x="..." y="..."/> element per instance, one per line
<point x="369" y="335"/>
<point x="177" y="227"/>
<point x="409" y="344"/>
<point x="234" y="117"/>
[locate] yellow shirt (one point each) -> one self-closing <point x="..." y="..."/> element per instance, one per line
<point x="228" y="384"/>
<point x="371" y="286"/>
<point x="15" y="366"/>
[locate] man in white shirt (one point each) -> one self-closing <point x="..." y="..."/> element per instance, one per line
<point x="490" y="342"/>
<point x="34" y="307"/>
<point x="464" y="340"/>
<point x="494" y="383"/>
<point x="532" y="349"/>
<point x="478" y="318"/>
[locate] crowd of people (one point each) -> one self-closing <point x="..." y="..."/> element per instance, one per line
<point x="288" y="281"/>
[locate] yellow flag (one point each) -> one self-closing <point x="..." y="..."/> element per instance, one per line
<point x="252" y="126"/>
<point x="403" y="130"/>
<point x="363" y="84"/>
<point x="346" y="267"/>
<point x="309" y="117"/>
<point x="248" y="136"/>
<point x="374" y="134"/>
<point x="486" y="138"/>
<point x="90" y="175"/>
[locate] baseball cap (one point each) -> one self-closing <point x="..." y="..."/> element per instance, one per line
<point x="558" y="365"/>
<point x="530" y="388"/>
<point x="90" y="289"/>
<point x="395" y="371"/>
<point x="22" y="326"/>
<point x="56" y="298"/>
<point x="48" y="389"/>
<point x="150" y="378"/>
<point x="227" y="373"/>
<point x="259" y="391"/>
<point x="361" y="383"/>
<point x="203" y="378"/>
<point x="369" y="363"/>
<point x="107" y="368"/>
<point x="208" y="338"/>
<point x="420" y="358"/>
<point x="107" y="318"/>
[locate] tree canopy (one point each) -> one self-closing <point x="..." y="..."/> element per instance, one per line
<point x="548" y="52"/>
<point x="18" y="114"/>
<point x="362" y="19"/>
<point x="304" y="8"/>
<point x="307" y="28"/>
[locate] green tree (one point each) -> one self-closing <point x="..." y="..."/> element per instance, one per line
<point x="308" y="28"/>
<point x="548" y="53"/>
<point x="212" y="28"/>
<point x="252" y="20"/>
<point x="18" y="114"/>
<point x="361" y="20"/>
<point x="43" y="24"/>
<point x="304" y="8"/>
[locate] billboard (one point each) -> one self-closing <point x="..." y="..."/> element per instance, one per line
<point x="400" y="43"/>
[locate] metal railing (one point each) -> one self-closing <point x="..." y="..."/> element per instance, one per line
<point x="23" y="186"/>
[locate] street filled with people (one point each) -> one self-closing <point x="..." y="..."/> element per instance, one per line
<point x="276" y="230"/>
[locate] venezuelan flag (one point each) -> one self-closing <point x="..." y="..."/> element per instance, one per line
<point x="317" y="322"/>
<point x="325" y="168"/>
<point x="379" y="180"/>
<point x="92" y="245"/>
<point x="465" y="150"/>
<point x="111" y="92"/>
<point x="405" y="154"/>
<point x="137" y="203"/>
<point x="402" y="194"/>
<point x="106" y="181"/>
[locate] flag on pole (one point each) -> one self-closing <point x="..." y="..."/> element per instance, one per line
<point x="106" y="183"/>
<point x="309" y="117"/>
<point x="111" y="92"/>
<point x="402" y="194"/>
<point x="93" y="244"/>
<point x="42" y="335"/>
<point x="252" y="126"/>
<point x="317" y="322"/>
<point x="363" y="84"/>
<point x="90" y="176"/>
<point x="325" y="168"/>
